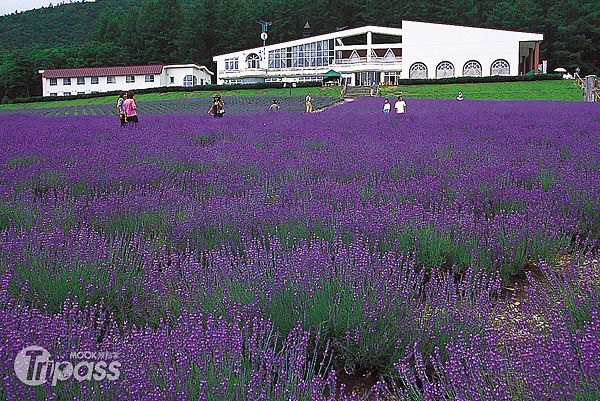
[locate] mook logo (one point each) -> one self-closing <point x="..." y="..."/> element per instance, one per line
<point x="35" y="366"/>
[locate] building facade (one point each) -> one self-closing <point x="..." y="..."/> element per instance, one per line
<point x="78" y="81"/>
<point x="374" y="54"/>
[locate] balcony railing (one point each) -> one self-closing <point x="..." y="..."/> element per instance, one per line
<point x="362" y="60"/>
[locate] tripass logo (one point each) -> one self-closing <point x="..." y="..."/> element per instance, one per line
<point x="35" y="366"/>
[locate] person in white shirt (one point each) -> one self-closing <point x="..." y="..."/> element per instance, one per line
<point x="387" y="107"/>
<point x="460" y="96"/>
<point x="400" y="106"/>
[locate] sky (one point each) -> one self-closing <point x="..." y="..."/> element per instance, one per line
<point x="9" y="6"/>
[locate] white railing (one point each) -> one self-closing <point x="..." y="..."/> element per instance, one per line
<point x="363" y="60"/>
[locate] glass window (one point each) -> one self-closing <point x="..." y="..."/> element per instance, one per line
<point x="172" y="80"/>
<point x="81" y="93"/>
<point x="95" y="80"/>
<point x="253" y="60"/>
<point x="417" y="71"/>
<point x="53" y="94"/>
<point x="67" y="94"/>
<point x="149" y="78"/>
<point x="500" y="67"/>
<point x="111" y="79"/>
<point x="319" y="45"/>
<point x="66" y="81"/>
<point x="226" y="64"/>
<point x="188" y="80"/>
<point x="325" y="45"/>
<point x="313" y="46"/>
<point x="236" y="64"/>
<point x="444" y="69"/>
<point x="80" y="81"/>
<point x="130" y="79"/>
<point x="53" y="82"/>
<point x="472" y="69"/>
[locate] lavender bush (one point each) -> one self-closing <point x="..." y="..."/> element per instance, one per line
<point x="265" y="256"/>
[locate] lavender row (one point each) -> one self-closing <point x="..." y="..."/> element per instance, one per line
<point x="234" y="105"/>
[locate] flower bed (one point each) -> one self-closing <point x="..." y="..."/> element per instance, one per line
<point x="264" y="256"/>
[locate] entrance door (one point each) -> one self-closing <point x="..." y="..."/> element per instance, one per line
<point x="367" y="78"/>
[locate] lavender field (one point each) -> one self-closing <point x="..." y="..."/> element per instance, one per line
<point x="341" y="255"/>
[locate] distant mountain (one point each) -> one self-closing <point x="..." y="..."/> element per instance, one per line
<point x="67" y="24"/>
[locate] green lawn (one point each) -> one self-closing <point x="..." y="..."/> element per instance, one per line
<point x="324" y="91"/>
<point x="535" y="90"/>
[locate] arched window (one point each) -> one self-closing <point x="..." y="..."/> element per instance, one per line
<point x="445" y="69"/>
<point x="253" y="60"/>
<point x="417" y="71"/>
<point x="472" y="69"/>
<point x="500" y="67"/>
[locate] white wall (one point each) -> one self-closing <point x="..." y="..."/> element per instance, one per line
<point x="434" y="43"/>
<point x="177" y="72"/>
<point x="102" y="86"/>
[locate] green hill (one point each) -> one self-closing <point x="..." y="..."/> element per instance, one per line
<point x="67" y="24"/>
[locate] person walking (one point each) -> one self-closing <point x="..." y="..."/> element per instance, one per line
<point x="129" y="106"/>
<point x="308" y="102"/>
<point x="120" y="109"/>
<point x="400" y="106"/>
<point x="216" y="108"/>
<point x="387" y="107"/>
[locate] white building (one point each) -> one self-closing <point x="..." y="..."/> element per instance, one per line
<point x="77" y="81"/>
<point x="373" y="54"/>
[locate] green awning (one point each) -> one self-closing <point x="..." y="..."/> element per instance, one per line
<point x="331" y="74"/>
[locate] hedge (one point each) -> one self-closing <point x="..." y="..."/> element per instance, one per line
<point x="163" y="89"/>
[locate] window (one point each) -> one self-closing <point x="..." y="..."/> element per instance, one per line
<point x="53" y="94"/>
<point x="67" y="94"/>
<point x="53" y="82"/>
<point x="149" y="78"/>
<point x="232" y="63"/>
<point x="130" y="79"/>
<point x="253" y="60"/>
<point x="472" y="69"/>
<point x="81" y="93"/>
<point x="445" y="69"/>
<point x="111" y="79"/>
<point x="172" y="80"/>
<point x="417" y="71"/>
<point x="189" y="80"/>
<point x="500" y="67"/>
<point x="80" y="81"/>
<point x="95" y="81"/>
<point x="66" y="81"/>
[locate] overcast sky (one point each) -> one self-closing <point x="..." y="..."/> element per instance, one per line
<point x="9" y="6"/>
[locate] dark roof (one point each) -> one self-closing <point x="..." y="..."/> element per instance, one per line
<point x="103" y="71"/>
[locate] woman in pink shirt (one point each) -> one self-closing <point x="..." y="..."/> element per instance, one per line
<point x="129" y="106"/>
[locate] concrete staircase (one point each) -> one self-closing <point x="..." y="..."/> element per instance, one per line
<point x="352" y="92"/>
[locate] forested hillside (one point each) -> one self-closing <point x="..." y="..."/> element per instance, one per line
<point x="117" y="32"/>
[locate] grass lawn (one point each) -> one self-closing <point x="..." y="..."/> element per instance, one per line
<point x="534" y="90"/>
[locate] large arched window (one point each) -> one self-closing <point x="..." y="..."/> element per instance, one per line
<point x="253" y="60"/>
<point x="472" y="69"/>
<point x="445" y="69"/>
<point x="500" y="67"/>
<point x="417" y="71"/>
